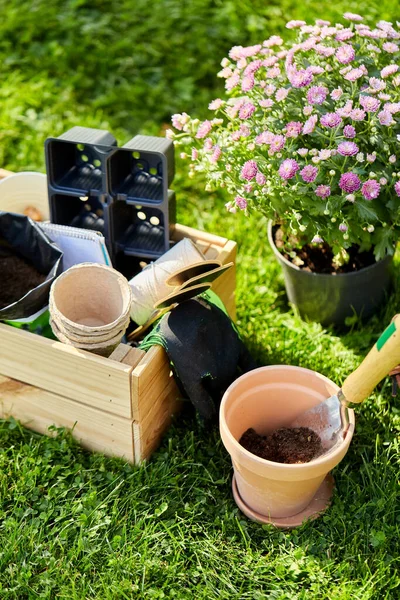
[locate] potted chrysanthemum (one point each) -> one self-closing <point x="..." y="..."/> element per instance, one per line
<point x="308" y="135"/>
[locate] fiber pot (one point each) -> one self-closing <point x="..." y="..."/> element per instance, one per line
<point x="330" y="299"/>
<point x="89" y="307"/>
<point x="266" y="399"/>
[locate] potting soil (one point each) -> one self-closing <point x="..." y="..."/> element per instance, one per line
<point x="17" y="277"/>
<point x="284" y="445"/>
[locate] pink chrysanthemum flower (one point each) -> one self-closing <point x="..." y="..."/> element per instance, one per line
<point x="208" y="144"/>
<point x="354" y="74"/>
<point x="347" y="148"/>
<point x="343" y="227"/>
<point x="376" y="84"/>
<point x="336" y="94"/>
<point x="325" y="154"/>
<point x="260" y="178"/>
<point x="397" y="188"/>
<point x="352" y="17"/>
<point x="345" y="54"/>
<point x="370" y="189"/>
<point x="246" y="110"/>
<point x="344" y="34"/>
<point x="330" y="120"/>
<point x="216" y="104"/>
<point x="317" y="239"/>
<point x="345" y="111"/>
<point x="281" y="94"/>
<point x="248" y="188"/>
<point x="241" y="202"/>
<point x="349" y="131"/>
<point x="317" y="94"/>
<point x="389" y="70"/>
<point x="232" y="81"/>
<point x="288" y="168"/>
<point x="369" y="103"/>
<point x="392" y="159"/>
<point x="385" y="118"/>
<point x="253" y="67"/>
<point x="309" y="173"/>
<point x="266" y="103"/>
<point x="300" y="78"/>
<point x="357" y="114"/>
<point x="315" y="69"/>
<point x="349" y="182"/>
<point x="310" y="124"/>
<point x="204" y="129"/>
<point x="325" y="51"/>
<point x="273" y="73"/>
<point x="392" y="107"/>
<point x="270" y="89"/>
<point x="293" y="129"/>
<point x="295" y="24"/>
<point x="248" y="83"/>
<point x="180" y="120"/>
<point x="216" y="155"/>
<point x="195" y="154"/>
<point x="249" y="170"/>
<point x="307" y="110"/>
<point x="276" y="144"/>
<point x="390" y="47"/>
<point x="371" y="157"/>
<point x="265" y="137"/>
<point x="323" y="191"/>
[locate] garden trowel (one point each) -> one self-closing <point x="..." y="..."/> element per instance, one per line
<point x="330" y="418"/>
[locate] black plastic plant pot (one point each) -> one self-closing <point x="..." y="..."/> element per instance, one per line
<point x="87" y="212"/>
<point x="331" y="299"/>
<point x="77" y="160"/>
<point x="142" y="170"/>
<point x="143" y="230"/>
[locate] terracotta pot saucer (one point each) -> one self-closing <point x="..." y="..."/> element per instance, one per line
<point x="317" y="506"/>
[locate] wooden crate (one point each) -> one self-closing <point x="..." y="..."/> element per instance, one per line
<point x="121" y="405"/>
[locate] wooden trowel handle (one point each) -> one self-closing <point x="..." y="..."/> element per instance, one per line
<point x="384" y="356"/>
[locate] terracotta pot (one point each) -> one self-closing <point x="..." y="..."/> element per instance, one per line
<point x="266" y="399"/>
<point x="330" y="299"/>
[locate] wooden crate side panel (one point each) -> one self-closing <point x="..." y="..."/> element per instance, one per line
<point x="148" y="432"/>
<point x="94" y="429"/>
<point x="182" y="231"/>
<point x="86" y="378"/>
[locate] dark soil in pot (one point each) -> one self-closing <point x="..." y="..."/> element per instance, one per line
<point x="318" y="258"/>
<point x="285" y="445"/>
<point x="17" y="276"/>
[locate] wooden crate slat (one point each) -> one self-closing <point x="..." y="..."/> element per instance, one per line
<point x="37" y="409"/>
<point x="84" y="377"/>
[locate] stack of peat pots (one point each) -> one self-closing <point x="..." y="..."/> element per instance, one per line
<point x="89" y="308"/>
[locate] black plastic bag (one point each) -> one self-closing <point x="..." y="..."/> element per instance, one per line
<point x="25" y="237"/>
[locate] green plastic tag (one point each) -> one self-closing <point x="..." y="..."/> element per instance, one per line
<point x="385" y="336"/>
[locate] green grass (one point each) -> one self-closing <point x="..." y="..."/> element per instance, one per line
<point x="75" y="525"/>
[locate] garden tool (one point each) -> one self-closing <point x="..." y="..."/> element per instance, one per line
<point x="188" y="283"/>
<point x="330" y="418"/>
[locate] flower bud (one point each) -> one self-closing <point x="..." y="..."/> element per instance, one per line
<point x="332" y="172"/>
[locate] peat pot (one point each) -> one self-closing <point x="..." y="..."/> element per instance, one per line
<point x="330" y="299"/>
<point x="266" y="399"/>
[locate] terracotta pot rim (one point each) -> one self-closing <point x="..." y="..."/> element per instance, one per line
<point x="287" y="262"/>
<point x="327" y="457"/>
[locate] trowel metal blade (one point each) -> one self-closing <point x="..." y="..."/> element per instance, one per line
<point x="324" y="419"/>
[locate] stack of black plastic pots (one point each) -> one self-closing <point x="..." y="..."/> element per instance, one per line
<point x="122" y="192"/>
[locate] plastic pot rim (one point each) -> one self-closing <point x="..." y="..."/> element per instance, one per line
<point x="317" y="462"/>
<point x="287" y="262"/>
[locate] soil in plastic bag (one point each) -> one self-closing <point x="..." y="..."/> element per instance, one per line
<point x="29" y="263"/>
<point x="284" y="445"/>
<point x="18" y="276"/>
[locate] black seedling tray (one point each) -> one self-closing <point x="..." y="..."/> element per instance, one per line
<point x="142" y="170"/>
<point x="77" y="160"/>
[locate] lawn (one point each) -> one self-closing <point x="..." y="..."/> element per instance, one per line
<point x="75" y="525"/>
